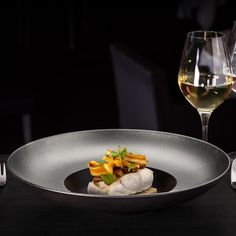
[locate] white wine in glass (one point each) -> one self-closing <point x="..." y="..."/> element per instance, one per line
<point x="205" y="73"/>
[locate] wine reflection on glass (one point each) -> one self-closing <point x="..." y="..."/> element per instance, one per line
<point x="205" y="73"/>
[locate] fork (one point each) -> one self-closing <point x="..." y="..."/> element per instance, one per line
<point x="3" y="175"/>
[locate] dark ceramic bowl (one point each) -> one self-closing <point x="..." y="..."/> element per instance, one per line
<point x="184" y="167"/>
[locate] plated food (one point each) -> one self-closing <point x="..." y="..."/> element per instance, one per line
<point x="120" y="173"/>
<point x="183" y="168"/>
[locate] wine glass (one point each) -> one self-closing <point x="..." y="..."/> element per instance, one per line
<point x="205" y="74"/>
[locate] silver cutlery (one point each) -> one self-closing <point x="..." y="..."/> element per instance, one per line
<point x="3" y="174"/>
<point x="233" y="174"/>
<point x="232" y="157"/>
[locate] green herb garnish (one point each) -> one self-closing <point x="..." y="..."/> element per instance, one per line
<point x="131" y="166"/>
<point x="108" y="178"/>
<point x="120" y="152"/>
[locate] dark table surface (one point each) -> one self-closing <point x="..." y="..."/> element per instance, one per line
<point x="23" y="212"/>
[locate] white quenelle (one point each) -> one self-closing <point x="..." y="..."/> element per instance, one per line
<point x="128" y="184"/>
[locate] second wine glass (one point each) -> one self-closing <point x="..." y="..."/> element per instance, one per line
<point x="205" y="73"/>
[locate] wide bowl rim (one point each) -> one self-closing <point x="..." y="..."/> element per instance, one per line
<point x="184" y="190"/>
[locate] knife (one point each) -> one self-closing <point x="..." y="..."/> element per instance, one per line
<point x="233" y="174"/>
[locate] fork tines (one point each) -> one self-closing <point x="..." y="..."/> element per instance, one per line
<point x="3" y="175"/>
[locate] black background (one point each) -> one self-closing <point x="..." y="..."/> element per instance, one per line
<point x="57" y="52"/>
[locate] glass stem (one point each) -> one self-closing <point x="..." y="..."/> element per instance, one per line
<point x="205" y="116"/>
